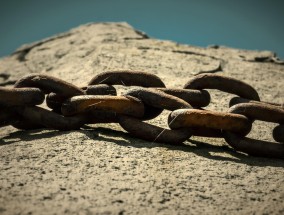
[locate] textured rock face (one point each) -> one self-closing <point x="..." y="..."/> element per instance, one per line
<point x="102" y="170"/>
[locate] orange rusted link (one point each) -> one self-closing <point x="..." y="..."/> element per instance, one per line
<point x="100" y="89"/>
<point x="127" y="78"/>
<point x="24" y="96"/>
<point x="278" y="133"/>
<point x="54" y="101"/>
<point x="209" y="119"/>
<point x="226" y="84"/>
<point x="40" y="116"/>
<point x="260" y="111"/>
<point x="255" y="147"/>
<point x="118" y="104"/>
<point x="196" y="98"/>
<point x="155" y="101"/>
<point x="239" y="100"/>
<point x="49" y="84"/>
<point x="153" y="133"/>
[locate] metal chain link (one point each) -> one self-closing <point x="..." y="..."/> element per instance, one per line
<point x="73" y="107"/>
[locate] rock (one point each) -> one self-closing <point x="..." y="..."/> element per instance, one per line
<point x="102" y="170"/>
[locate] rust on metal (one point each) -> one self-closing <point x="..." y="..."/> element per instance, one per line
<point x="155" y="101"/>
<point x="153" y="133"/>
<point x="278" y="133"/>
<point x="239" y="100"/>
<point x="196" y="98"/>
<point x="118" y="104"/>
<point x="74" y="107"/>
<point x="209" y="119"/>
<point x="259" y="111"/>
<point x="23" y="96"/>
<point x="128" y="78"/>
<point x="40" y="116"/>
<point x="223" y="83"/>
<point x="49" y="84"/>
<point x="255" y="147"/>
<point x="54" y="100"/>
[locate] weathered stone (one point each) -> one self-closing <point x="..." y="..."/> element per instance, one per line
<point x="102" y="170"/>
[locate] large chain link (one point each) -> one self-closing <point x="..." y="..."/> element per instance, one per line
<point x="73" y="107"/>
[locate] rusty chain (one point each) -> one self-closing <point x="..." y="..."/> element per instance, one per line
<point x="73" y="107"/>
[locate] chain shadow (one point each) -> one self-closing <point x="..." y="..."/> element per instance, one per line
<point x="121" y="138"/>
<point x="202" y="149"/>
<point x="30" y="135"/>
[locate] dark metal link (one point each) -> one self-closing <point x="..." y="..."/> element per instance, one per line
<point x="24" y="124"/>
<point x="7" y="116"/>
<point x="260" y="111"/>
<point x="155" y="101"/>
<point x="278" y="133"/>
<point x="41" y="116"/>
<point x="196" y="98"/>
<point x="100" y="89"/>
<point x="239" y="100"/>
<point x="255" y="147"/>
<point x="223" y="83"/>
<point x="23" y="96"/>
<point x="128" y="78"/>
<point x="153" y="133"/>
<point x="99" y="103"/>
<point x="101" y="116"/>
<point x="119" y="104"/>
<point x="49" y="84"/>
<point x="54" y="101"/>
<point x="188" y="118"/>
<point x="206" y="132"/>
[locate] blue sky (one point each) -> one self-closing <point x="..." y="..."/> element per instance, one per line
<point x="246" y="24"/>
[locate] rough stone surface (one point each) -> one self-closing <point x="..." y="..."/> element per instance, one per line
<point x="102" y="170"/>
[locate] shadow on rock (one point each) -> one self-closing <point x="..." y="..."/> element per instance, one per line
<point x="199" y="148"/>
<point x="121" y="138"/>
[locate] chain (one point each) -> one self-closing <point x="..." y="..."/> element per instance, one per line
<point x="73" y="107"/>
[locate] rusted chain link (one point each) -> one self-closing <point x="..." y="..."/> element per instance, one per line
<point x="155" y="101"/>
<point x="128" y="78"/>
<point x="23" y="96"/>
<point x="238" y="100"/>
<point x="278" y="133"/>
<point x="118" y="104"/>
<point x="98" y="102"/>
<point x="260" y="111"/>
<point x="196" y="98"/>
<point x="153" y="133"/>
<point x="190" y="118"/>
<point x="49" y="84"/>
<point x="225" y="84"/>
<point x="54" y="100"/>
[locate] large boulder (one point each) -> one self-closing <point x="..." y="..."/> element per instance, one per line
<point x="103" y="170"/>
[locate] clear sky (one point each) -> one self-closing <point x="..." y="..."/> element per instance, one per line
<point x="246" y="24"/>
